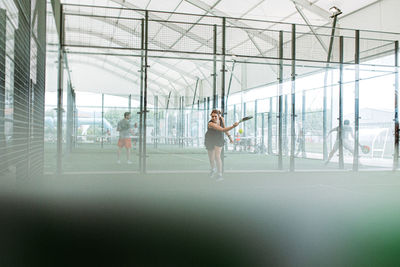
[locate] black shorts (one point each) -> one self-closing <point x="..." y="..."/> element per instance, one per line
<point x="210" y="144"/>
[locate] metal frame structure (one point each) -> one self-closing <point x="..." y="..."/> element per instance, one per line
<point x="148" y="50"/>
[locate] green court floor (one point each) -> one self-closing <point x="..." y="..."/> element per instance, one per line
<point x="93" y="158"/>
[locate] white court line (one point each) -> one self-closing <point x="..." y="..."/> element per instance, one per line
<point x="99" y="172"/>
<point x="177" y="171"/>
<point x="206" y="171"/>
<point x="187" y="157"/>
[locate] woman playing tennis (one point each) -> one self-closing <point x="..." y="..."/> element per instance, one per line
<point x="214" y="141"/>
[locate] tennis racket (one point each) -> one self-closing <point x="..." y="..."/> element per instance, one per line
<point x="246" y="119"/>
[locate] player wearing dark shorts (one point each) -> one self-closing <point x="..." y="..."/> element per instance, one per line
<point x="214" y="141"/>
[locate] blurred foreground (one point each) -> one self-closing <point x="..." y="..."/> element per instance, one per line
<point x="264" y="219"/>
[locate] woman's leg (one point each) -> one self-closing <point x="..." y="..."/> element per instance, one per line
<point x="211" y="158"/>
<point x="217" y="156"/>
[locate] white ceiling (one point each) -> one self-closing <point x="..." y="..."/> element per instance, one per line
<point x="119" y="74"/>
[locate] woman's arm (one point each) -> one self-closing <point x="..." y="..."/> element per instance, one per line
<point x="221" y="129"/>
<point x="227" y="132"/>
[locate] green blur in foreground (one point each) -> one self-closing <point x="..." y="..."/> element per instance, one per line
<point x="376" y="239"/>
<point x="253" y="219"/>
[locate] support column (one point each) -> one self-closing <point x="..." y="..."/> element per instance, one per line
<point x="325" y="97"/>
<point x="69" y="126"/>
<point x="262" y="132"/>
<point x="223" y="70"/>
<point x="198" y="123"/>
<point x="234" y="113"/>
<point x="396" y="108"/>
<point x="230" y="82"/>
<point x="94" y="123"/>
<point x="244" y="123"/>
<point x="130" y="103"/>
<point x="188" y="126"/>
<point x="3" y="153"/>
<point x="167" y="120"/>
<point x="285" y="126"/>
<point x="293" y="115"/>
<point x="303" y="125"/>
<point x="215" y="101"/>
<point x="181" y="122"/>
<point x="280" y="103"/>
<point x="156" y="126"/>
<point x="205" y="114"/>
<point x="270" y="127"/>
<point x="340" y="129"/>
<point x="60" y="83"/>
<point x="208" y="108"/>
<point x="102" y="120"/>
<point x="146" y="37"/>
<point x="75" y="122"/>
<point x="325" y="118"/>
<point x="142" y="63"/>
<point x="356" y="102"/>
<point x="255" y="124"/>
<point x="234" y="120"/>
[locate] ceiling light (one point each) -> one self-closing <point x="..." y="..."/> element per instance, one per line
<point x="335" y="11"/>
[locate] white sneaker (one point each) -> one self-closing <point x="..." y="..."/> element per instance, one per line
<point x="129" y="162"/>
<point x="219" y="177"/>
<point x="212" y="173"/>
<point x="118" y="162"/>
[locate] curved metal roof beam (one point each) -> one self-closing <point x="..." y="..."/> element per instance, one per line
<point x="194" y="24"/>
<point x="104" y="37"/>
<point x="183" y="31"/>
<point x="216" y="12"/>
<point x="171" y="26"/>
<point x="112" y="71"/>
<point x="313" y="8"/>
<point x="138" y="34"/>
<point x="305" y="4"/>
<point x="310" y="26"/>
<point x="159" y="44"/>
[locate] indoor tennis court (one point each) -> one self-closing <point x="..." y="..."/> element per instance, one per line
<point x="199" y="133"/>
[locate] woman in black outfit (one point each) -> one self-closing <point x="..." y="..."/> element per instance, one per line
<point x="214" y="140"/>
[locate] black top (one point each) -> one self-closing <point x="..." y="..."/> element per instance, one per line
<point x="214" y="137"/>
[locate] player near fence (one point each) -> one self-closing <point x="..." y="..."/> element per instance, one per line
<point x="300" y="142"/>
<point x="214" y="141"/>
<point x="347" y="133"/>
<point x="125" y="130"/>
